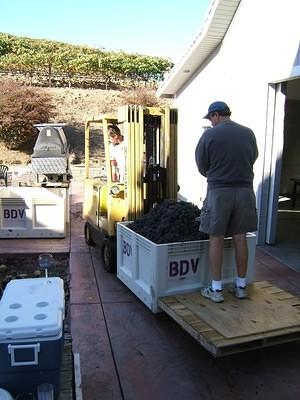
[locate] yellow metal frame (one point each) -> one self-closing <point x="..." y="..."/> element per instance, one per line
<point x="103" y="209"/>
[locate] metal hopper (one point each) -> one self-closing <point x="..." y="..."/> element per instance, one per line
<point x="51" y="153"/>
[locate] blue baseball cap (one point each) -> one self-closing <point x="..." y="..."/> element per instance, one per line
<point x="217" y="106"/>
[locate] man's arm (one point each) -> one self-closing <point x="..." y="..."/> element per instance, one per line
<point x="255" y="149"/>
<point x="201" y="156"/>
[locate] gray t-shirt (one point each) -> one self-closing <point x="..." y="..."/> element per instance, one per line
<point x="225" y="155"/>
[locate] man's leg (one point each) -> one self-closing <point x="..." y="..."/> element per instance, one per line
<point x="214" y="292"/>
<point x="216" y="214"/>
<point x="216" y="244"/>
<point x="241" y="254"/>
<point x="241" y="259"/>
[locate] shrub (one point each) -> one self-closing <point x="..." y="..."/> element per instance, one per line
<point x="20" y="108"/>
<point x="141" y="96"/>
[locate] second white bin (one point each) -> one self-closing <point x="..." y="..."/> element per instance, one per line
<point x="152" y="270"/>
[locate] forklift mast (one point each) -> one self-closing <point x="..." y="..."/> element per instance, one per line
<point x="150" y="152"/>
<point x="151" y="156"/>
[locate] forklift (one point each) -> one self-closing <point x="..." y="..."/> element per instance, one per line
<point x="150" y="173"/>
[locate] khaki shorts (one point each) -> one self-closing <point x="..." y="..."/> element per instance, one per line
<point x="229" y="211"/>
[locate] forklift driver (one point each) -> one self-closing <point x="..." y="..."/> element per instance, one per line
<point x="116" y="153"/>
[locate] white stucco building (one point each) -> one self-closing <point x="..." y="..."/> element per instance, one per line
<point x="246" y="54"/>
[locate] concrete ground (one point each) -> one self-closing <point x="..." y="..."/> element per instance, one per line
<point x="129" y="353"/>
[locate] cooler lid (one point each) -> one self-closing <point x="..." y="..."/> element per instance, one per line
<point x="31" y="308"/>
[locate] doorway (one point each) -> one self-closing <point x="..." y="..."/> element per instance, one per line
<point x="283" y="215"/>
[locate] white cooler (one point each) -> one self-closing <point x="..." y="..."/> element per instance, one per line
<point x="31" y="334"/>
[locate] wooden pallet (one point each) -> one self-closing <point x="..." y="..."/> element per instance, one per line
<point x="268" y="317"/>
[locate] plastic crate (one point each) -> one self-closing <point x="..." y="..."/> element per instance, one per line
<point x="33" y="212"/>
<point x="152" y="270"/>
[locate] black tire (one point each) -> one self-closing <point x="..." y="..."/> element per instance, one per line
<point x="109" y="254"/>
<point x="88" y="235"/>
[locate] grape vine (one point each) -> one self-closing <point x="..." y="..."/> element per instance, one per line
<point x="54" y="60"/>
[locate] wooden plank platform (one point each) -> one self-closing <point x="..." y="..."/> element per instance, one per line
<point x="268" y="317"/>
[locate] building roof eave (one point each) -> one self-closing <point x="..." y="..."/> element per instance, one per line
<point x="214" y="28"/>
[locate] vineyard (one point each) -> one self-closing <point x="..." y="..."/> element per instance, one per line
<point x="55" y="64"/>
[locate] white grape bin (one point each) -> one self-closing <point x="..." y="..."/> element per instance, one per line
<point x="31" y="334"/>
<point x="152" y="270"/>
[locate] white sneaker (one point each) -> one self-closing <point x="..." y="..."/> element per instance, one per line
<point x="214" y="295"/>
<point x="239" y="291"/>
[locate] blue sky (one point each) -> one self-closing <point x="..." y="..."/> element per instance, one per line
<point x="164" y="28"/>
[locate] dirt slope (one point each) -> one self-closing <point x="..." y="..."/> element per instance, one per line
<point x="73" y="106"/>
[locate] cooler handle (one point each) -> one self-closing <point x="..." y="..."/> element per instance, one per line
<point x="11" y="351"/>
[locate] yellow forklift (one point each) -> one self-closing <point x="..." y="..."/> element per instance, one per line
<point x="150" y="173"/>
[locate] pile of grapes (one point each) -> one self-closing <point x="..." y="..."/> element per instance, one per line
<point x="170" y="221"/>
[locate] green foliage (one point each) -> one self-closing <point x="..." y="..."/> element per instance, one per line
<point x="20" y="108"/>
<point x="29" y="56"/>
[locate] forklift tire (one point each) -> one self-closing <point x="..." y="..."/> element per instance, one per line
<point x="88" y="235"/>
<point x="109" y="256"/>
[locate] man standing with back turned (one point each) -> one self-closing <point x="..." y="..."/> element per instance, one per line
<point x="225" y="155"/>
